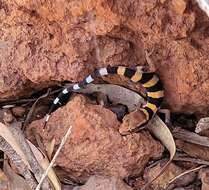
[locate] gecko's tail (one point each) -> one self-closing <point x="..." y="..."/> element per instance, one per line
<point x="46" y="120"/>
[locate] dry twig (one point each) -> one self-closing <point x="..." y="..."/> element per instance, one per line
<point x="54" y="158"/>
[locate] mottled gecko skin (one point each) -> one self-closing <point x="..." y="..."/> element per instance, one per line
<point x="149" y="80"/>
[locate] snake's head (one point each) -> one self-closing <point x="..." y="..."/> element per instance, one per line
<point x="132" y="122"/>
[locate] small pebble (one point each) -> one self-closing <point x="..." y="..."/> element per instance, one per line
<point x="18" y="111"/>
<point x="8" y="117"/>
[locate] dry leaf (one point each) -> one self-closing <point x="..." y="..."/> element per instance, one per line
<point x="8" y="136"/>
<point x="43" y="161"/>
<point x="187" y="172"/>
<point x="202" y="125"/>
<point x="196" y="151"/>
<point x="163" y="181"/>
<point x="185" y="158"/>
<point x="16" y="182"/>
<point x="35" y="166"/>
<point x="190" y="137"/>
<point x="11" y="146"/>
<point x="50" y="148"/>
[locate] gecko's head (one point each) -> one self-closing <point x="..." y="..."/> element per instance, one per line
<point x="132" y="122"/>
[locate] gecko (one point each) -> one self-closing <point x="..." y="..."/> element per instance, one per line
<point x="149" y="80"/>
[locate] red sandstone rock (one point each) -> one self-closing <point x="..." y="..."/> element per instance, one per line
<point x="46" y="41"/>
<point x="44" y="47"/>
<point x="95" y="145"/>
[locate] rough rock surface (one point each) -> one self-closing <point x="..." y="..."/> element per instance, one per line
<point x="95" y="146"/>
<point x="103" y="183"/>
<point x="54" y="40"/>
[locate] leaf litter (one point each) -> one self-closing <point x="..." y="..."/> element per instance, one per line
<point x="123" y="96"/>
